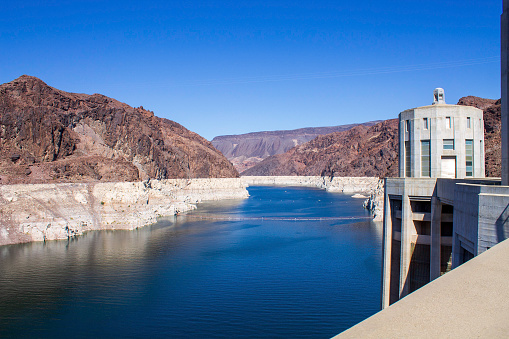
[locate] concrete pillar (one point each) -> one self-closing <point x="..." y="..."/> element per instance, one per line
<point x="505" y="87"/>
<point x="436" y="216"/>
<point x="401" y="149"/>
<point x="387" y="250"/>
<point x="456" y="251"/>
<point x="406" y="244"/>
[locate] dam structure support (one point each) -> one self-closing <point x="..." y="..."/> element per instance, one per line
<point x="441" y="211"/>
<point x="470" y="301"/>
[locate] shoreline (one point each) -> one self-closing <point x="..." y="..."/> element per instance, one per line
<point x="335" y="184"/>
<point x="40" y="212"/>
<point x="372" y="187"/>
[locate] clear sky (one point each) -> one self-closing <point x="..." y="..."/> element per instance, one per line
<point x="231" y="67"/>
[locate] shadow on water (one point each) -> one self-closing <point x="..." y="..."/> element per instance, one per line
<point x="186" y="278"/>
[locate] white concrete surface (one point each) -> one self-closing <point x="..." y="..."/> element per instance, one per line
<point x="469" y="302"/>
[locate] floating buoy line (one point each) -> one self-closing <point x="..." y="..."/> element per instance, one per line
<point x="232" y="218"/>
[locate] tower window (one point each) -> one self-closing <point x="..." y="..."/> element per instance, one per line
<point x="447" y="122"/>
<point x="469" y="157"/>
<point x="448" y="143"/>
<point x="481" y="157"/>
<point x="407" y="125"/>
<point x="425" y="158"/>
<point x="408" y="172"/>
<point x="469" y="124"/>
<point x="425" y="123"/>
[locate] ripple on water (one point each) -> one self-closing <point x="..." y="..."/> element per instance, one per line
<point x="215" y="279"/>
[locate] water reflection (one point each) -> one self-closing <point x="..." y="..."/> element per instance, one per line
<point x="188" y="278"/>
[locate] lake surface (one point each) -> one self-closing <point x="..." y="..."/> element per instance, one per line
<point x="189" y="278"/>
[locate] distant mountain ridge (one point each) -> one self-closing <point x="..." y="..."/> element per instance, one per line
<point x="371" y="151"/>
<point x="246" y="150"/>
<point x="359" y="151"/>
<point x="48" y="135"/>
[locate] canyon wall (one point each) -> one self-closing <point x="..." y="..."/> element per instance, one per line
<point x="52" y="136"/>
<point x="39" y="212"/>
<point x="246" y="150"/>
<point x="362" y="151"/>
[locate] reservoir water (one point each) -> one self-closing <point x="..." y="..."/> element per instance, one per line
<point x="190" y="278"/>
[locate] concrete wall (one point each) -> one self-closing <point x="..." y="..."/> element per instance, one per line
<point x="447" y="187"/>
<point x="477" y="208"/>
<point x="490" y="204"/>
<point x="422" y="187"/>
<point x="407" y="190"/>
<point x="465" y="221"/>
<point x="480" y="213"/>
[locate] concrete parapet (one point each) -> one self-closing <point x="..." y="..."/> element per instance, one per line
<point x="468" y="302"/>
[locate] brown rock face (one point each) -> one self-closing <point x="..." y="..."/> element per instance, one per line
<point x="247" y="150"/>
<point x="371" y="151"/>
<point x="48" y="135"/>
<point x="360" y="151"/>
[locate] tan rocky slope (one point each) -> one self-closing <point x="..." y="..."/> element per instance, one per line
<point x="48" y="135"/>
<point x="246" y="150"/>
<point x="369" y="151"/>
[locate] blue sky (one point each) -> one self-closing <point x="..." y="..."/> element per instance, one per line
<point x="231" y="67"/>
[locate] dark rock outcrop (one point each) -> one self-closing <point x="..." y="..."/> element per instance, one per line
<point x="48" y="135"/>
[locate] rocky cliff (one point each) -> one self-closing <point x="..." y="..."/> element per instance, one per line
<point x="48" y="135"/>
<point x="246" y="150"/>
<point x="370" y="151"/>
<point x="359" y="152"/>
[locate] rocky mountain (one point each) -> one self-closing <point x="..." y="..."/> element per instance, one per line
<point x="370" y="151"/>
<point x="246" y="150"/>
<point x="359" y="151"/>
<point x="48" y="135"/>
